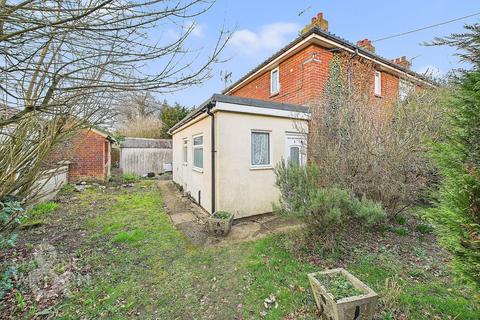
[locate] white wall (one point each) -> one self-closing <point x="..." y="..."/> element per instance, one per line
<point x="191" y="179"/>
<point x="242" y="189"/>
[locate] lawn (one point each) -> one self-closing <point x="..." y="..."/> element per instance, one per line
<point x="130" y="262"/>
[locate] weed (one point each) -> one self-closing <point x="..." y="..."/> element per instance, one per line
<point x="338" y="285"/>
<point x="424" y="228"/>
<point x="130" y="177"/>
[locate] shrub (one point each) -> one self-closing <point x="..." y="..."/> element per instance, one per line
<point x="323" y="208"/>
<point x="130" y="177"/>
<point x="456" y="215"/>
<point x="377" y="150"/>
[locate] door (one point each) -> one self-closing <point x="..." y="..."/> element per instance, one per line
<point x="296" y="148"/>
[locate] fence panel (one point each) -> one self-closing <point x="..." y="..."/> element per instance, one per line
<point x="141" y="156"/>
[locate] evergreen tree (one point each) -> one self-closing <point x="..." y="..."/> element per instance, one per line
<point x="170" y="115"/>
<point x="457" y="211"/>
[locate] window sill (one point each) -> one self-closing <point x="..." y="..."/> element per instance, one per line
<point x="378" y="96"/>
<point x="266" y="167"/>
<point x="200" y="170"/>
<point x="273" y="94"/>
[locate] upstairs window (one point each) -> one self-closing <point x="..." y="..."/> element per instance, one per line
<point x="260" y="148"/>
<point x="404" y="89"/>
<point x="185" y="151"/>
<point x="274" y="81"/>
<point x="198" y="152"/>
<point x="378" y="84"/>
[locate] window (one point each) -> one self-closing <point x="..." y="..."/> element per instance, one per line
<point x="378" y="83"/>
<point x="260" y="148"/>
<point x="274" y="81"/>
<point x="295" y="155"/>
<point x="198" y="152"/>
<point x="185" y="151"/>
<point x="404" y="89"/>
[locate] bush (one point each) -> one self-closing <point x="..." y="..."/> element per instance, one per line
<point x="456" y="216"/>
<point x="323" y="208"/>
<point x="374" y="149"/>
<point x="130" y="177"/>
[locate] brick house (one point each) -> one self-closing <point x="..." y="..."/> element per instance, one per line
<point x="224" y="152"/>
<point x="297" y="73"/>
<point x="88" y="155"/>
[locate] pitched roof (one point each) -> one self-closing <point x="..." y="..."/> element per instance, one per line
<point x="241" y="101"/>
<point x="338" y="40"/>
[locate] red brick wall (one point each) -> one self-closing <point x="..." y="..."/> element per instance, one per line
<point x="302" y="78"/>
<point x="88" y="153"/>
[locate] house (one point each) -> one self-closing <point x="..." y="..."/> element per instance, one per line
<point x="224" y="151"/>
<point x="88" y="155"/>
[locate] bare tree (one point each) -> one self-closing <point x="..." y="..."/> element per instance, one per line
<point x="59" y="53"/>
<point x="64" y="63"/>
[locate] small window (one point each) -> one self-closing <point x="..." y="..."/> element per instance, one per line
<point x="295" y="155"/>
<point x="378" y="83"/>
<point x="185" y="151"/>
<point x="198" y="152"/>
<point x="260" y="149"/>
<point x="404" y="89"/>
<point x="274" y="81"/>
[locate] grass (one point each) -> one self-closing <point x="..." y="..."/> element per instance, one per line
<point x="135" y="264"/>
<point x="38" y="214"/>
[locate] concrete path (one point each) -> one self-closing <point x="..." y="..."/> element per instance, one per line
<point x="189" y="218"/>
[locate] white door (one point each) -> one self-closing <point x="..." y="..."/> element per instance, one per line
<point x="296" y="148"/>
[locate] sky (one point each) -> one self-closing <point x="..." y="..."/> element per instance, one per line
<point x="262" y="27"/>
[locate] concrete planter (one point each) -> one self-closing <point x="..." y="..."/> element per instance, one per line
<point x="355" y="307"/>
<point x="219" y="226"/>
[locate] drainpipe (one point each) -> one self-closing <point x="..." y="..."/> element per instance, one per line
<point x="212" y="147"/>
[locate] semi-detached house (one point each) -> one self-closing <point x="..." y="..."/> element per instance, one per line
<point x="224" y="151"/>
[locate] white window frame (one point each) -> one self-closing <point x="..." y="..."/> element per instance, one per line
<point x="272" y="91"/>
<point x="185" y="151"/>
<point x="408" y="88"/>
<point x="198" y="146"/>
<point x="270" y="153"/>
<point x="377" y="85"/>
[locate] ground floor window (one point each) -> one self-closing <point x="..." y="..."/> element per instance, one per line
<point x="260" y="148"/>
<point x="185" y="151"/>
<point x="198" y="152"/>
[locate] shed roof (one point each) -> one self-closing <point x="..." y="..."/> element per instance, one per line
<point x="130" y="142"/>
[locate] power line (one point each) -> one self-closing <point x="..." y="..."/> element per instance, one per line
<point x="427" y="27"/>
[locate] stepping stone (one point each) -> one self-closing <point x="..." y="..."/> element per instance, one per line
<point x="182" y="217"/>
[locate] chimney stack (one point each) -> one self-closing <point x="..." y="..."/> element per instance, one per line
<point x="366" y="45"/>
<point x="403" y="62"/>
<point x="318" y="22"/>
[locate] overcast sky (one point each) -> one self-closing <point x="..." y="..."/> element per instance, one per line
<point x="262" y="27"/>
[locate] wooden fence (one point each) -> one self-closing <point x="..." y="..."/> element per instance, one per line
<point x="141" y="156"/>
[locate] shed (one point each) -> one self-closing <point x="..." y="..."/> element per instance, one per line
<point x="141" y="156"/>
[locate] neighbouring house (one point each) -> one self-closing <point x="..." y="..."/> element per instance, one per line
<point x="224" y="151"/>
<point x="87" y="154"/>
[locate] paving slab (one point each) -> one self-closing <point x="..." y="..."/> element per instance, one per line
<point x="190" y="219"/>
